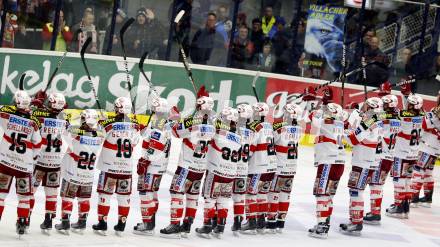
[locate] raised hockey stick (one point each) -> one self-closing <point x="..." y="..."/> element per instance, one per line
<point x="60" y="62"/>
<point x="401" y="83"/>
<point x="83" y="50"/>
<point x="182" y="52"/>
<point x="254" y="87"/>
<point x="121" y="36"/>
<point x="344" y="66"/>
<point x="150" y="84"/>
<point x="21" y="82"/>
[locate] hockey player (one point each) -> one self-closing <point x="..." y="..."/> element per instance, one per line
<point x="406" y="155"/>
<point x="223" y="156"/>
<point x="428" y="154"/>
<point x="115" y="164"/>
<point x="262" y="168"/>
<point x="329" y="160"/>
<point x="245" y="113"/>
<point x="18" y="148"/>
<point x="196" y="132"/>
<point x="391" y="126"/>
<point x="153" y="164"/>
<point x="366" y="140"/>
<point x="78" y="170"/>
<point x="47" y="169"/>
<point x="287" y="134"/>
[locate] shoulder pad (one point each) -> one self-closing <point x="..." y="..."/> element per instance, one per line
<point x="278" y="125"/>
<point x="220" y="125"/>
<point x="254" y="125"/>
<point x="36" y="120"/>
<point x="188" y="122"/>
<point x="405" y="113"/>
<point x="8" y="109"/>
<point x="40" y="113"/>
<point x="108" y="121"/>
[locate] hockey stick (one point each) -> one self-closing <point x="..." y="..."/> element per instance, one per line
<point x="254" y="88"/>
<point x="364" y="77"/>
<point x="121" y="36"/>
<point x="141" y="68"/>
<point x="83" y="50"/>
<point x="60" y="62"/>
<point x="344" y="65"/>
<point x="410" y="81"/>
<point x="21" y="82"/>
<point x="182" y="52"/>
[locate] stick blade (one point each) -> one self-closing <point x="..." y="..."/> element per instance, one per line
<point x="179" y="16"/>
<point x="84" y="47"/>
<point x="126" y="25"/>
<point x="257" y="75"/>
<point x="141" y="62"/>
<point x="21" y="82"/>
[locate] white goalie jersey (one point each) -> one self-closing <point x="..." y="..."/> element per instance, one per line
<point x="82" y="153"/>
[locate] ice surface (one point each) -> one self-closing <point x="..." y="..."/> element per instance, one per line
<point x="422" y="229"/>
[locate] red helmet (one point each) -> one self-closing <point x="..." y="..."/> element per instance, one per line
<point x="385" y="89"/>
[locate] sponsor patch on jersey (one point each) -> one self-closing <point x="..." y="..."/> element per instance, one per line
<point x="204" y="129"/>
<point x="245" y="133"/>
<point x="292" y="130"/>
<point x="89" y="141"/>
<point x="357" y="131"/>
<point x="417" y="120"/>
<point x="121" y="126"/>
<point x="394" y="123"/>
<point x="232" y="137"/>
<point x="53" y="123"/>
<point x="19" y="121"/>
<point x="155" y="135"/>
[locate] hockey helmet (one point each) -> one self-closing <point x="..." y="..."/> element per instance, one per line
<point x="22" y="100"/>
<point x="90" y="117"/>
<point x="416" y="101"/>
<point x="260" y="109"/>
<point x="390" y="101"/>
<point x="245" y="111"/>
<point x="56" y="101"/>
<point x="122" y="105"/>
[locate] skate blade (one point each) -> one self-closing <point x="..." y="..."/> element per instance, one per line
<point x="20" y="236"/>
<point x="271" y="231"/>
<point x="46" y="231"/>
<point x="248" y="232"/>
<point x="279" y="230"/>
<point x="119" y="233"/>
<point x="372" y="223"/>
<point x="143" y="233"/>
<point x="184" y="235"/>
<point x="261" y="231"/>
<point x="217" y="235"/>
<point x="319" y="236"/>
<point x="235" y="233"/>
<point x="171" y="236"/>
<point x="78" y="231"/>
<point x="353" y="233"/>
<point x="426" y="205"/>
<point x="396" y="216"/>
<point x="204" y="235"/>
<point x="414" y="205"/>
<point x="100" y="232"/>
<point x="64" y="232"/>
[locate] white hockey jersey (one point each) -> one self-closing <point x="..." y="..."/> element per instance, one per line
<point x="430" y="138"/>
<point x="367" y="144"/>
<point x="391" y="127"/>
<point x="408" y="138"/>
<point x="117" y="151"/>
<point x="286" y="146"/>
<point x="156" y="145"/>
<point x="21" y="140"/>
<point x="53" y="127"/>
<point x="196" y="134"/>
<point x="83" y="150"/>
<point x="262" y="151"/>
<point x="329" y="148"/>
<point x="224" y="151"/>
<point x="247" y="137"/>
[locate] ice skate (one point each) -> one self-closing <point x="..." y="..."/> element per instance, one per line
<point x="120" y="227"/>
<point x="426" y="201"/>
<point x="79" y="226"/>
<point x="250" y="227"/>
<point x="237" y="225"/>
<point x="100" y="228"/>
<point x="144" y="228"/>
<point x="46" y="226"/>
<point x="204" y="231"/>
<point x="20" y="227"/>
<point x="64" y="226"/>
<point x="219" y="229"/>
<point x="271" y="226"/>
<point x="171" y="231"/>
<point x="415" y="202"/>
<point x="372" y="219"/>
<point x="320" y="230"/>
<point x="185" y="228"/>
<point x="280" y="226"/>
<point x="261" y="224"/>
<point x="396" y="212"/>
<point x="351" y="229"/>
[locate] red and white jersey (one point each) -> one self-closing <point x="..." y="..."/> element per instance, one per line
<point x="247" y="137"/>
<point x="83" y="150"/>
<point x="263" y="157"/>
<point x="224" y="151"/>
<point x="408" y="138"/>
<point x="367" y="144"/>
<point x="430" y="137"/>
<point x="53" y="127"/>
<point x="196" y="135"/>
<point x="286" y="146"/>
<point x="391" y="127"/>
<point x="329" y="148"/>
<point x="117" y="151"/>
<point x="21" y="140"/>
<point x="156" y="145"/>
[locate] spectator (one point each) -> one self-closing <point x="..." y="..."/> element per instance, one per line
<point x="241" y="19"/>
<point x="378" y="72"/>
<point x="204" y="41"/>
<point x="223" y="25"/>
<point x="281" y="38"/>
<point x="242" y="49"/>
<point x="88" y="30"/>
<point x="257" y="36"/>
<point x="265" y="60"/>
<point x="22" y="38"/>
<point x="116" y="45"/>
<point x="64" y="36"/>
<point x="268" y="22"/>
<point x="10" y="29"/>
<point x="369" y="34"/>
<point x="405" y="67"/>
<point x="182" y="29"/>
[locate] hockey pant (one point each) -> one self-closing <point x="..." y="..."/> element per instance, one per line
<point x="377" y="181"/>
<point x="69" y="192"/>
<point x="217" y="191"/>
<point x="258" y="186"/>
<point x="148" y="185"/>
<point x="279" y="197"/>
<point x="402" y="172"/>
<point x="422" y="175"/>
<point x="49" y="178"/>
<point x="356" y="183"/>
<point x="325" y="187"/>
<point x="109" y="184"/>
<point x="185" y="185"/>
<point x="239" y="196"/>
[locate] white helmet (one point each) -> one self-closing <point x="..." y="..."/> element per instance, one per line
<point x="160" y="105"/>
<point x="57" y="101"/>
<point x="245" y="111"/>
<point x="292" y="111"/>
<point x="416" y="101"/>
<point x="122" y="105"/>
<point x="229" y="114"/>
<point x="260" y="109"/>
<point x="390" y="100"/>
<point x="90" y="117"/>
<point x="205" y="103"/>
<point x="333" y="110"/>
<point x="375" y="103"/>
<point x="22" y="100"/>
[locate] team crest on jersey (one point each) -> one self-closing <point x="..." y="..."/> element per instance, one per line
<point x="155" y="135"/>
<point x="50" y="122"/>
